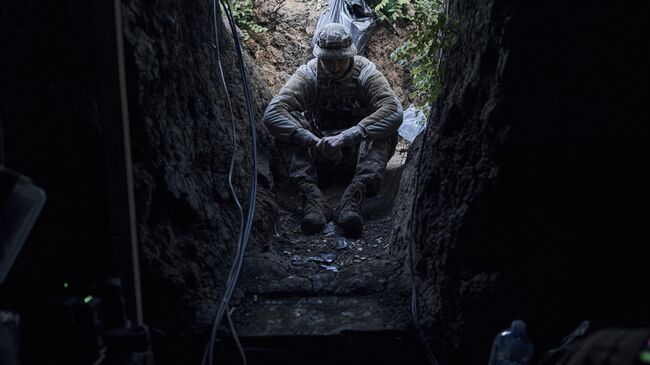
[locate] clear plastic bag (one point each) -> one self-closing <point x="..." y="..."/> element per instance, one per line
<point x="414" y="122"/>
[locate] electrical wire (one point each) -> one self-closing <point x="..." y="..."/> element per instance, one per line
<point x="234" y="335"/>
<point x="215" y="13"/>
<point x="210" y="346"/>
<point x="235" y="270"/>
<point x="414" y="291"/>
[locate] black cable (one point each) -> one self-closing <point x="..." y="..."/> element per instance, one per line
<point x="236" y="268"/>
<point x="251" y="115"/>
<point x="210" y="346"/>
<point x="241" y="248"/>
<point x="215" y="13"/>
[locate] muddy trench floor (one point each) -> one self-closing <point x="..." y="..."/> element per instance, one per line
<point x="326" y="283"/>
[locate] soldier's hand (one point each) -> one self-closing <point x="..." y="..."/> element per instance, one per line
<point x="331" y="146"/>
<point x="311" y="147"/>
<point x="314" y="142"/>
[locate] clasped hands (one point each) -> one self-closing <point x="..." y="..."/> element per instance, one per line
<point x="330" y="147"/>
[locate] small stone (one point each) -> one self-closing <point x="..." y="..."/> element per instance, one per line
<point x="341" y="244"/>
<point x="331" y="268"/>
<point x="326" y="258"/>
<point x="330" y="229"/>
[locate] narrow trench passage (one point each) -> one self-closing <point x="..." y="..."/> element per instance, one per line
<point x="531" y="202"/>
<point x="323" y="284"/>
<point x="326" y="283"/>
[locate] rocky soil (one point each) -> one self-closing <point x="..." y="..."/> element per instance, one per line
<point x="287" y="44"/>
<point x="325" y="283"/>
<point x="188" y="222"/>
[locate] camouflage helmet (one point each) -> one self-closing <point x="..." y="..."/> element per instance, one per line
<point x="334" y="42"/>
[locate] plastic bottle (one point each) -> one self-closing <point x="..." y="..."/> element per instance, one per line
<point x="512" y="346"/>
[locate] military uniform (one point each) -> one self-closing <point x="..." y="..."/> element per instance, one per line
<point x="359" y="106"/>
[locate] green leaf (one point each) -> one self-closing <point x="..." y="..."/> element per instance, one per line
<point x="244" y="13"/>
<point x="420" y="51"/>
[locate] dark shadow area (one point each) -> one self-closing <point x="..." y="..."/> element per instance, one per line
<point x="531" y="199"/>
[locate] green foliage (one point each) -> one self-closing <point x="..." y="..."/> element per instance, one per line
<point x="243" y="11"/>
<point x="420" y="52"/>
<point x="390" y="10"/>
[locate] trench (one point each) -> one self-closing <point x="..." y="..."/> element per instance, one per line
<point x="297" y="291"/>
<point x="531" y="188"/>
<point x="305" y="295"/>
<point x="325" y="283"/>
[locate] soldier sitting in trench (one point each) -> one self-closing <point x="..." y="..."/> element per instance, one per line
<point x="338" y="108"/>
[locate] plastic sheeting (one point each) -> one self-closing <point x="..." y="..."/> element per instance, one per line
<point x="354" y="14"/>
<point x="414" y="122"/>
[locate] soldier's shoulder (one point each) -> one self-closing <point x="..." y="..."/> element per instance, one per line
<point x="366" y="68"/>
<point x="361" y="61"/>
<point x="309" y="69"/>
<point x="312" y="63"/>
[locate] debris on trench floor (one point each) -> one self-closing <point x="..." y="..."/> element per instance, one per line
<point x="325" y="283"/>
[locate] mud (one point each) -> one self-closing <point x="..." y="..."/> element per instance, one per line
<point x="325" y="283"/>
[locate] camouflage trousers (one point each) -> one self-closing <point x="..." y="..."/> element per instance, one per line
<point x="368" y="159"/>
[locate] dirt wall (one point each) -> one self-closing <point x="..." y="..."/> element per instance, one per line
<point x="286" y="45"/>
<point x="188" y="222"/>
<point x="58" y="89"/>
<point x="532" y="199"/>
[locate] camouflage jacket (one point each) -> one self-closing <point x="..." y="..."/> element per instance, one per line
<point x="361" y="103"/>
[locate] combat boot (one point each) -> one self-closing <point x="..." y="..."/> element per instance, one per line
<point x="347" y="213"/>
<point x="313" y="208"/>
